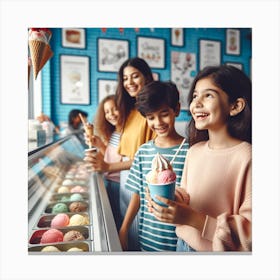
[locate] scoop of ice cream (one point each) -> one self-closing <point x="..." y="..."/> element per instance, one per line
<point x="151" y="177"/>
<point x="50" y="249"/>
<point x="52" y="236"/>
<point x="78" y="189"/>
<point x="60" y="220"/>
<point x="77" y="206"/>
<point x="160" y="163"/>
<point x="166" y="176"/>
<point x="59" y="208"/>
<point x="75" y="249"/>
<point x="76" y="197"/>
<point x="64" y="198"/>
<point x="73" y="235"/>
<point x="78" y="220"/>
<point x="67" y="182"/>
<point x="63" y="189"/>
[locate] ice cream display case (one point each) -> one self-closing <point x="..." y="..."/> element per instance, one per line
<point x="68" y="206"/>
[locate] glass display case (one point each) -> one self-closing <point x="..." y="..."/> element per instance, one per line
<point x="68" y="206"/>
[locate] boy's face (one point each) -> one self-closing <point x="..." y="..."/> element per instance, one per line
<point x="162" y="121"/>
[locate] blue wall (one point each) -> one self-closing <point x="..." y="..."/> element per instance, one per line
<point x="51" y="72"/>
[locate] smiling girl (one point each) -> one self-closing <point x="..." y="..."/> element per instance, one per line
<point x="218" y="166"/>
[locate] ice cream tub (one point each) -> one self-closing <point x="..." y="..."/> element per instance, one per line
<point x="58" y="248"/>
<point x="70" y="234"/>
<point x="164" y="190"/>
<point x="63" y="220"/>
<point x="60" y="197"/>
<point x="69" y="206"/>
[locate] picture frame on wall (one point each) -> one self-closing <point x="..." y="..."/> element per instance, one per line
<point x="233" y="41"/>
<point x="74" y="38"/>
<point x="183" y="72"/>
<point x="209" y="53"/>
<point x="177" y="37"/>
<point x="106" y="87"/>
<point x="152" y="50"/>
<point x="235" y="64"/>
<point x="74" y="76"/>
<point x="111" y="54"/>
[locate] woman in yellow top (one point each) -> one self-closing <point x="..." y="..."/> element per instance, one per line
<point x="133" y="74"/>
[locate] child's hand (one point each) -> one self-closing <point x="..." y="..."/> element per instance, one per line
<point x="175" y="213"/>
<point x="97" y="161"/>
<point x="181" y="195"/>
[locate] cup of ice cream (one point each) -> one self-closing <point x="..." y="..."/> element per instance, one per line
<point x="161" y="179"/>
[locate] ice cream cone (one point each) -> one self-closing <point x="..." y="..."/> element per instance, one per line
<point x="48" y="53"/>
<point x="89" y="132"/>
<point x="36" y="52"/>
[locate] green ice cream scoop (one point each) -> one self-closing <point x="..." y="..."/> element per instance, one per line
<point x="60" y="208"/>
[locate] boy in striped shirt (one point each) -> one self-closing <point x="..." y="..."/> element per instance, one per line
<point x="159" y="103"/>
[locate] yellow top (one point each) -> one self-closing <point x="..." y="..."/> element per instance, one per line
<point x="136" y="132"/>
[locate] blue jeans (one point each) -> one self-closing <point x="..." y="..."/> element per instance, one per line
<point x="182" y="246"/>
<point x="113" y="189"/>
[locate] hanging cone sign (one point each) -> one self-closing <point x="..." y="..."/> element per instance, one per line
<point x="48" y="53"/>
<point x="40" y="51"/>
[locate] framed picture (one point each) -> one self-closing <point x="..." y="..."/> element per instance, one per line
<point x="73" y="38"/>
<point x="74" y="76"/>
<point x="177" y="37"/>
<point x="111" y="54"/>
<point x="237" y="65"/>
<point x="183" y="71"/>
<point x="233" y="41"/>
<point x="105" y="88"/>
<point x="209" y="53"/>
<point x="152" y="50"/>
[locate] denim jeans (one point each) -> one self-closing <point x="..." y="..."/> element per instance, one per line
<point x="182" y="246"/>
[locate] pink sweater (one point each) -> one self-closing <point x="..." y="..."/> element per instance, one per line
<point x="219" y="183"/>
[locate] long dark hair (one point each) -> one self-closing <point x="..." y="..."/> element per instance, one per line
<point x="124" y="101"/>
<point x="236" y="85"/>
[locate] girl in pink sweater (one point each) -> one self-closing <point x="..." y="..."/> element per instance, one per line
<point x="218" y="166"/>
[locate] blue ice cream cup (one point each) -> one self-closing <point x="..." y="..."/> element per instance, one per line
<point x="164" y="190"/>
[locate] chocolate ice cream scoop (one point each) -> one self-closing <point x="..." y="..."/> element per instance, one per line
<point x="73" y="235"/>
<point x="78" y="206"/>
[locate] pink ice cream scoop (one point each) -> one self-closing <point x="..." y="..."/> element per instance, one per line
<point x="52" y="236"/>
<point x="60" y="220"/>
<point x="166" y="176"/>
<point x="78" y="189"/>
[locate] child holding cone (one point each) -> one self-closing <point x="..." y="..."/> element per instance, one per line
<point x="106" y="139"/>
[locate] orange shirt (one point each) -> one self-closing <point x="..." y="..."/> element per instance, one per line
<point x="136" y="132"/>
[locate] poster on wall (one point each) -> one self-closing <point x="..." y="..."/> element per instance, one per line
<point x="152" y="51"/>
<point x="73" y="38"/>
<point x="105" y="88"/>
<point x="177" y="37"/>
<point x="74" y="74"/>
<point x="210" y="53"/>
<point x="111" y="54"/>
<point x="183" y="71"/>
<point x="233" y="41"/>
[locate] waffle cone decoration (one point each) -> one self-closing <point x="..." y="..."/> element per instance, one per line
<point x="48" y="53"/>
<point x="40" y="50"/>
